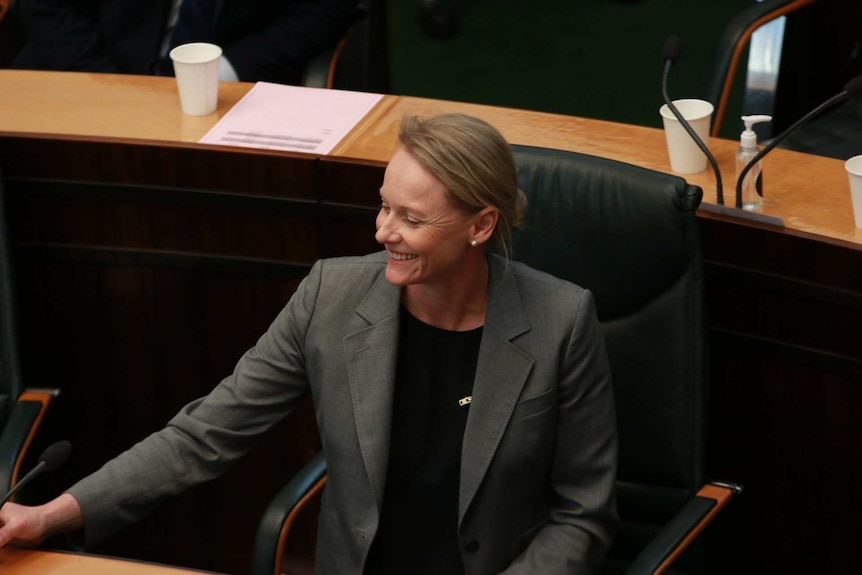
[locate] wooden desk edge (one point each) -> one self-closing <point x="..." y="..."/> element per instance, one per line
<point x="24" y="561"/>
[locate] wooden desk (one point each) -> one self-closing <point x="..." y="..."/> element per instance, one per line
<point x="147" y="263"/>
<point x="103" y="106"/>
<point x="25" y="562"/>
<point x="144" y="108"/>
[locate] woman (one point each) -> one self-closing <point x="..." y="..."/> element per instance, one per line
<point x="464" y="401"/>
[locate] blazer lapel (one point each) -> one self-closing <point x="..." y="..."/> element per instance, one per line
<point x="501" y="371"/>
<point x="370" y="355"/>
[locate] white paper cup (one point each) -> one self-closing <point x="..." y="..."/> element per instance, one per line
<point x="854" y="172"/>
<point x="196" y="69"/>
<point x="685" y="155"/>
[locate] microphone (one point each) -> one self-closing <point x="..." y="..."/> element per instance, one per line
<point x="852" y="89"/>
<point x="670" y="54"/>
<point x="53" y="457"/>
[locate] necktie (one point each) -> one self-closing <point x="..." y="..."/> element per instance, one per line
<point x="194" y="24"/>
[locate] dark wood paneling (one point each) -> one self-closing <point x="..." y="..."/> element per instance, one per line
<point x="173" y="166"/>
<point x="139" y="218"/>
<point x="350" y="195"/>
<point x="786" y="426"/>
<point x="782" y="253"/>
<point x="786" y="392"/>
<point x="349" y="182"/>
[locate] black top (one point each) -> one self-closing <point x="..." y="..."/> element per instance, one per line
<point x="418" y="530"/>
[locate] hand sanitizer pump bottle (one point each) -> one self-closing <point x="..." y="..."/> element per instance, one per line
<point x="752" y="185"/>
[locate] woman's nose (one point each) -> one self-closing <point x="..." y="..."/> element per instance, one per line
<point x="385" y="231"/>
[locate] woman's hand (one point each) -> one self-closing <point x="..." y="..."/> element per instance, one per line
<point x="25" y="526"/>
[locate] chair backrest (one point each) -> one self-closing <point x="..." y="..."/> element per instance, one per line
<point x="781" y="46"/>
<point x="630" y="236"/>
<point x="361" y="60"/>
<point x="740" y="36"/>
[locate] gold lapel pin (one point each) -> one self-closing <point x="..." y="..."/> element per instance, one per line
<point x="465" y="400"/>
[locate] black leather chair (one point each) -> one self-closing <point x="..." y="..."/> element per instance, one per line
<point x="21" y="410"/>
<point x="732" y="46"/>
<point x="808" y="61"/>
<point x="630" y="236"/>
<point x="361" y="60"/>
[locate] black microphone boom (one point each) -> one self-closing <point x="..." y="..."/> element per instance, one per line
<point x="852" y="89"/>
<point x="670" y="54"/>
<point x="53" y="457"/>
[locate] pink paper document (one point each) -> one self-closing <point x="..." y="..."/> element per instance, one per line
<point x="291" y="118"/>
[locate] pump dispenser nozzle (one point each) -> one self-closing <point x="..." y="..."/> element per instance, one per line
<point x="748" y="138"/>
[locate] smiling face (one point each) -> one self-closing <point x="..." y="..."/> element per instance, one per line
<point x="425" y="233"/>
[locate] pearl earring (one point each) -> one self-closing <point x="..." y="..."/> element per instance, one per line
<point x="474" y="243"/>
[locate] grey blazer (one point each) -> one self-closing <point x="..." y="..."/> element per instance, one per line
<point x="539" y="451"/>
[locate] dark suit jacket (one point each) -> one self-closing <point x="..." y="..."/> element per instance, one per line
<point x="267" y="40"/>
<point x="539" y="449"/>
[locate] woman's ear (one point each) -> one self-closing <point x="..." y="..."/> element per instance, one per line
<point x="486" y="221"/>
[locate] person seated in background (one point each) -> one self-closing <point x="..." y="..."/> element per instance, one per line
<point x="464" y="400"/>
<point x="262" y="40"/>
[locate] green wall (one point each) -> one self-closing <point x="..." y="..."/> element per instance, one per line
<point x="592" y="58"/>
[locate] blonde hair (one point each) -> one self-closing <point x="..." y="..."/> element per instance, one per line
<point x="473" y="161"/>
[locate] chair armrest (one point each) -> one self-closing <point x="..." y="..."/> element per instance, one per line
<point x="680" y="531"/>
<point x="281" y="512"/>
<point x="17" y="435"/>
<point x="731" y="45"/>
